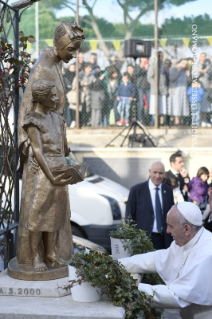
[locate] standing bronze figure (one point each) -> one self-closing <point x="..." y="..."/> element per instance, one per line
<point x="44" y="234"/>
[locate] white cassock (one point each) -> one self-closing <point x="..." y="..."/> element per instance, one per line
<point x="187" y="272"/>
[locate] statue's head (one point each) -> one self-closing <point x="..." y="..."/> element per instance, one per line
<point x="44" y="92"/>
<point x="68" y="38"/>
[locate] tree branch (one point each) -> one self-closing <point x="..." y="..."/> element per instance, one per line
<point x="68" y="6"/>
<point x="86" y="21"/>
<point x="96" y="29"/>
<point x="94" y="4"/>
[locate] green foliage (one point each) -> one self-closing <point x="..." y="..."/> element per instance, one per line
<point x="47" y="21"/>
<point x="109" y="275"/>
<point x="136" y="242"/>
<point x="179" y="27"/>
<point x="8" y="55"/>
<point x="171" y="27"/>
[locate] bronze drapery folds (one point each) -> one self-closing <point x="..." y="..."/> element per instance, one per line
<point x="44" y="234"/>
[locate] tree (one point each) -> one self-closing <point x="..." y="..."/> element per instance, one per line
<point x="47" y="21"/>
<point x="177" y="27"/>
<point x="128" y="6"/>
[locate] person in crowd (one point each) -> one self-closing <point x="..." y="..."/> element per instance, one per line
<point x="85" y="80"/>
<point x="203" y="71"/>
<point x="190" y="62"/>
<point x="68" y="77"/>
<point x="178" y="105"/>
<point x="111" y="84"/>
<point x="114" y="61"/>
<point x="178" y="197"/>
<point x="81" y="61"/>
<point x="184" y="266"/>
<point x="93" y="62"/>
<point x="168" y="64"/>
<point x="148" y="205"/>
<point x="130" y="71"/>
<point x="208" y="218"/>
<point x="162" y="88"/>
<point x="176" y="172"/>
<point x="195" y="90"/>
<point x="210" y="175"/>
<point x="97" y="98"/>
<point x="125" y="95"/>
<point x="143" y="88"/>
<point x="198" y="186"/>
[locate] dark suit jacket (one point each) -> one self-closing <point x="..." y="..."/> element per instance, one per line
<point x="167" y="181"/>
<point x="140" y="209"/>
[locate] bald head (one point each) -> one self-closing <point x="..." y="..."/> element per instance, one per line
<point x="157" y="173"/>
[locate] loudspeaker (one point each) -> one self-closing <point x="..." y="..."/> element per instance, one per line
<point x="137" y="48"/>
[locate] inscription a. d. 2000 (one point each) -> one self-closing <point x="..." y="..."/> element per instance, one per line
<point x="20" y="291"/>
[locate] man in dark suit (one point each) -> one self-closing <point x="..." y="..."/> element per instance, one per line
<point x="177" y="175"/>
<point x="148" y="205"/>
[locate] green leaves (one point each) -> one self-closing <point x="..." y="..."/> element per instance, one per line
<point x="136" y="242"/>
<point x="104" y="272"/>
<point x="133" y="239"/>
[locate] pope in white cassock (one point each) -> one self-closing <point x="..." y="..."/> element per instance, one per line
<point x="185" y="267"/>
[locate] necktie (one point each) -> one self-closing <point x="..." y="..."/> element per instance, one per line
<point x="158" y="210"/>
<point x="178" y="179"/>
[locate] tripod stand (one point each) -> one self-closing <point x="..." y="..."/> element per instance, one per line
<point x="134" y="124"/>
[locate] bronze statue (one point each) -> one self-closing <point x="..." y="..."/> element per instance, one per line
<point x="44" y="234"/>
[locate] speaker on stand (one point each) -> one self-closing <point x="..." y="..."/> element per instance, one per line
<point x="135" y="49"/>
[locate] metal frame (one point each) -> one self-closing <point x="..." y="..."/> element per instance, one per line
<point x="10" y="232"/>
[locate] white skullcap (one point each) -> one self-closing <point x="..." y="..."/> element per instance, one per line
<point x="190" y="212"/>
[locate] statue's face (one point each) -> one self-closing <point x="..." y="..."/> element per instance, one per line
<point x="70" y="51"/>
<point x="51" y="99"/>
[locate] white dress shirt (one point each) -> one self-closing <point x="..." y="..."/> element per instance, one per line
<point x="176" y="174"/>
<point x="152" y="189"/>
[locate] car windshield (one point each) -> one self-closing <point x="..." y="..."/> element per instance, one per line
<point x="72" y="160"/>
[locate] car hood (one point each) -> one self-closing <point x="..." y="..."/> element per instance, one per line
<point x="104" y="186"/>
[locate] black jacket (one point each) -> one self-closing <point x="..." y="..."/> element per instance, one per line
<point x="140" y="209"/>
<point x="167" y="181"/>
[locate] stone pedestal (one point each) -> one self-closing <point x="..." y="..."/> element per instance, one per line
<point x="56" y="308"/>
<point x="17" y="301"/>
<point x="21" y="288"/>
<point x="27" y="272"/>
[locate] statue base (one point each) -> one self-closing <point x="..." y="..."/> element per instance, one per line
<point x="27" y="272"/>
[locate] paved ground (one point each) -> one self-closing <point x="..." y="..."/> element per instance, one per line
<point x="162" y="137"/>
<point x="171" y="314"/>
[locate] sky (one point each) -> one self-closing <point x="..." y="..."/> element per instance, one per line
<point x="112" y="12"/>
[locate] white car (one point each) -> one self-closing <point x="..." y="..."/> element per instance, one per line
<point x="97" y="206"/>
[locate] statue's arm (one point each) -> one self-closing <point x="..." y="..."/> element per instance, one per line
<point x="37" y="147"/>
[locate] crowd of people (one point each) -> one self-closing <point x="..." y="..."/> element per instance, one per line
<point x="108" y="96"/>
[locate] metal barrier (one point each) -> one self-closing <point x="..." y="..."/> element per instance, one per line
<point x="102" y="86"/>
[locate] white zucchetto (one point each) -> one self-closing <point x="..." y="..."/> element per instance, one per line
<point x="190" y="212"/>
